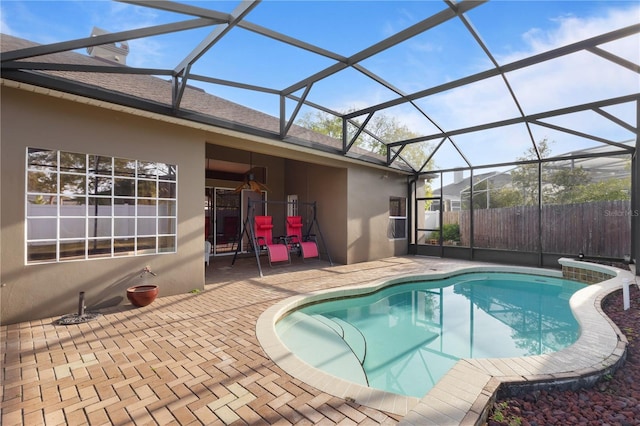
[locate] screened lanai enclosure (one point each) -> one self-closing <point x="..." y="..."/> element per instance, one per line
<point x="514" y="123"/>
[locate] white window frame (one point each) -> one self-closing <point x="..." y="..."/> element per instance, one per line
<point x="393" y="219"/>
<point x="93" y="225"/>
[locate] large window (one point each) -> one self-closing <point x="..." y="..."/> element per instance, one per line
<point x="397" y="218"/>
<point x="85" y="206"/>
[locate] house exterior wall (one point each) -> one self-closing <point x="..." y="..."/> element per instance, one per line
<point x="352" y="200"/>
<point x="327" y="186"/>
<point x="43" y="290"/>
<point x="368" y="195"/>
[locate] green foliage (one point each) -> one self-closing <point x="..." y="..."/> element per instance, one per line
<point x="560" y="186"/>
<point x="324" y="123"/>
<point x="428" y="192"/>
<point x="450" y="232"/>
<point x="500" y="417"/>
<point x="525" y="177"/>
<point x="380" y="130"/>
<point x="606" y="190"/>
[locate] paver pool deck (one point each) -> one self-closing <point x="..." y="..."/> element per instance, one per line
<point x="195" y="358"/>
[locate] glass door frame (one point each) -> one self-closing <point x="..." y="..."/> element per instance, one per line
<point x="219" y="238"/>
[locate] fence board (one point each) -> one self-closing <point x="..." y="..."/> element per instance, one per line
<point x="596" y="229"/>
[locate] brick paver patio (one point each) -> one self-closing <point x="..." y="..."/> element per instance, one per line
<point x="185" y="359"/>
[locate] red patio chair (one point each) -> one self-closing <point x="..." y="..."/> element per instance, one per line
<point x="278" y="252"/>
<point x="307" y="248"/>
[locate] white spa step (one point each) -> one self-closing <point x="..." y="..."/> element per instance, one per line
<point x="353" y="337"/>
<point x="320" y="345"/>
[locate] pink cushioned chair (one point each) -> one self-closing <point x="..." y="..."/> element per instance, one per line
<point x="307" y="248"/>
<point x="278" y="252"/>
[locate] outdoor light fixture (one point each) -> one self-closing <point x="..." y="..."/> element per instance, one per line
<point x="250" y="182"/>
<point x="581" y="256"/>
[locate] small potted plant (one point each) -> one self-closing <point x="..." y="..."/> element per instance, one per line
<point x="144" y="294"/>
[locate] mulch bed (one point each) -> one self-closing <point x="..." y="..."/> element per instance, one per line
<point x="613" y="400"/>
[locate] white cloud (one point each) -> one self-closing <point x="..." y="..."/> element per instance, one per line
<point x="4" y="26"/>
<point x="574" y="79"/>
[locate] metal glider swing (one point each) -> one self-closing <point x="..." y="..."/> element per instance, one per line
<point x="258" y="229"/>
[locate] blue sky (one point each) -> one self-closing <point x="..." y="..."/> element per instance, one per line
<point x="511" y="29"/>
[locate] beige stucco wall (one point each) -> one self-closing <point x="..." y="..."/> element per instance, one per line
<point x="352" y="199"/>
<point x="44" y="290"/>
<point x="368" y="214"/>
<point x="353" y="208"/>
<point x="327" y="187"/>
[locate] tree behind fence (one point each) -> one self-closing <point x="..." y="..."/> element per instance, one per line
<point x="597" y="229"/>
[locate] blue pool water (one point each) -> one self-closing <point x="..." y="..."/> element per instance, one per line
<point x="404" y="338"/>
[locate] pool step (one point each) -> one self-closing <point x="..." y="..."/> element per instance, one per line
<point x="351" y="334"/>
<point x="319" y="343"/>
<point x="354" y="338"/>
<point x="329" y="322"/>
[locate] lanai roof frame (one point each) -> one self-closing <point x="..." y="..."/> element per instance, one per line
<point x="13" y="66"/>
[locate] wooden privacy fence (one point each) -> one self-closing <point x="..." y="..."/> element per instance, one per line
<point x="597" y="229"/>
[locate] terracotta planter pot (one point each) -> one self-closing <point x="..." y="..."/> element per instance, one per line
<point x="142" y="295"/>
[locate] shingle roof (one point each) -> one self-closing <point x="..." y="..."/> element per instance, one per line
<point x="158" y="90"/>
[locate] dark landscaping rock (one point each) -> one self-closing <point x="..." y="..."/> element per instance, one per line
<point x="614" y="400"/>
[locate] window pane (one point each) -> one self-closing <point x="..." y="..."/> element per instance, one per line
<point x="166" y="225"/>
<point x="397" y="228"/>
<point x="124" y="207"/>
<point x="146" y="207"/>
<point x="72" y="184"/>
<point x="147" y="188"/>
<point x="72" y="228"/>
<point x="41" y="229"/>
<point x="100" y="206"/>
<point x="146" y="245"/>
<point x="72" y="162"/>
<point x="100" y="227"/>
<point x="99" y="248"/>
<point x="124" y="187"/>
<point x="124" y="167"/>
<point x="123" y="227"/>
<point x="100" y="165"/>
<point x="167" y="171"/>
<point x="166" y="189"/>
<point x="73" y="206"/>
<point x="72" y="249"/>
<point x="42" y="159"/>
<point x="147" y="226"/>
<point x="167" y="244"/>
<point x="397" y="206"/>
<point x="147" y="169"/>
<point x="38" y="205"/>
<point x="123" y="246"/>
<point x="166" y="208"/>
<point x="100" y="185"/>
<point x="43" y="182"/>
<point x="41" y="251"/>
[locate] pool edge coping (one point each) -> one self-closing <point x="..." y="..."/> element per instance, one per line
<point x="445" y="402"/>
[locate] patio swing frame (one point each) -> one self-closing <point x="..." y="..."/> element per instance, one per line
<point x="248" y="229"/>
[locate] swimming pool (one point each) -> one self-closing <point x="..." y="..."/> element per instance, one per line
<point x="403" y="338"/>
